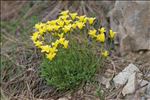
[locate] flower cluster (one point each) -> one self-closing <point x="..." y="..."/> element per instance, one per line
<point x="99" y="35"/>
<point x="65" y="23"/>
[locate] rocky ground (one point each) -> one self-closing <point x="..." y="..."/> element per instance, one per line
<point x="131" y="86"/>
<point x="126" y="76"/>
<point x="135" y="88"/>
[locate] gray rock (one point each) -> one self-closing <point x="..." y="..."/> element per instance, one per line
<point x="123" y="76"/>
<point x="143" y="98"/>
<point x="141" y="87"/>
<point x="130" y="87"/>
<point x="106" y="82"/>
<point x="131" y="21"/>
<point x="142" y="82"/>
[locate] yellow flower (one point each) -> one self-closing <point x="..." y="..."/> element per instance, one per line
<point x="85" y="19"/>
<point x="61" y="35"/>
<point x="53" y="22"/>
<point x="80" y="25"/>
<point x="91" y="20"/>
<point x="105" y="53"/>
<point x="81" y="18"/>
<point x="73" y="15"/>
<point x="64" y="12"/>
<point x="55" y="44"/>
<point x="61" y="40"/>
<point x="38" y="43"/>
<point x="101" y="37"/>
<point x="49" y="28"/>
<point x="53" y="49"/>
<point x="102" y="30"/>
<point x="48" y="22"/>
<point x="74" y="25"/>
<point x="60" y="23"/>
<point x="67" y="21"/>
<point x="56" y="27"/>
<point x="42" y="30"/>
<point x="92" y="33"/>
<point x="50" y="56"/>
<point x="65" y="43"/>
<point x="112" y="34"/>
<point x="67" y="28"/>
<point x="39" y="25"/>
<point x="64" y="17"/>
<point x="45" y="48"/>
<point x="35" y="36"/>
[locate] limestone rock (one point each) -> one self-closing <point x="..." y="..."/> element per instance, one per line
<point x="131" y="21"/>
<point x="123" y="76"/>
<point x="130" y="87"/>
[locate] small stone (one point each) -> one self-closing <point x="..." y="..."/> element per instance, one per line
<point x="106" y="82"/>
<point x="130" y="87"/>
<point x="123" y="76"/>
<point x="141" y="52"/>
<point x="68" y="96"/>
<point x="143" y="98"/>
<point x="142" y="82"/>
<point x="81" y="91"/>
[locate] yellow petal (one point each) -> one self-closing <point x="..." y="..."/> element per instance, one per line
<point x="38" y="43"/>
<point x="101" y="37"/>
<point x="73" y="15"/>
<point x="92" y="33"/>
<point x="102" y="30"/>
<point x="105" y="53"/>
<point x="35" y="36"/>
<point x="64" y="12"/>
<point x="81" y="18"/>
<point x="112" y="34"/>
<point x="45" y="48"/>
<point x="91" y="20"/>
<point x="65" y="43"/>
<point x="51" y="56"/>
<point x="80" y="25"/>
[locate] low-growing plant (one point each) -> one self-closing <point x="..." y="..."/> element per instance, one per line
<point x="68" y="62"/>
<point x="75" y="65"/>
